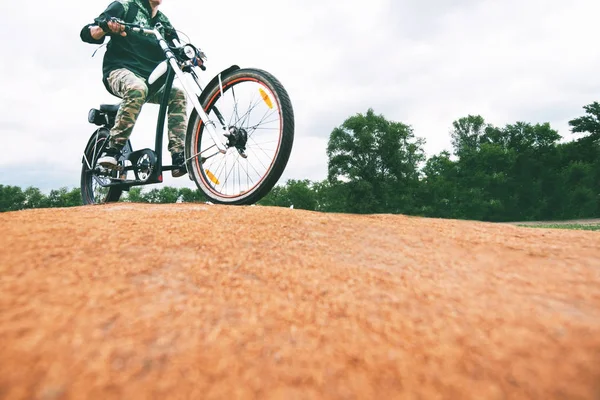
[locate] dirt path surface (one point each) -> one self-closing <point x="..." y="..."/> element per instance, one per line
<point x="203" y="302"/>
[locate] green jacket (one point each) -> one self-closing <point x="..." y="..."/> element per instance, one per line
<point x="137" y="52"/>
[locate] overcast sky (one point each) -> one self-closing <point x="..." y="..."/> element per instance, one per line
<point x="424" y="63"/>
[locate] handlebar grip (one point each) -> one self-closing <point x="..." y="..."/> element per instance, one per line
<point x="117" y="20"/>
<point x="103" y="24"/>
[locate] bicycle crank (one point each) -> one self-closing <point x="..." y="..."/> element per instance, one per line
<point x="144" y="164"/>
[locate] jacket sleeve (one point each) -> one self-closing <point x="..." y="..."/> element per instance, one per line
<point x="172" y="34"/>
<point x="115" y="9"/>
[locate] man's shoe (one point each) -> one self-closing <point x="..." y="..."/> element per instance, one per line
<point x="110" y="158"/>
<point x="179" y="164"/>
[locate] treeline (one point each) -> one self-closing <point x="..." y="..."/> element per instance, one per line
<point x="13" y="198"/>
<point x="516" y="172"/>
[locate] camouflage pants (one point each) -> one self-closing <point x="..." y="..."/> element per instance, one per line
<point x="134" y="94"/>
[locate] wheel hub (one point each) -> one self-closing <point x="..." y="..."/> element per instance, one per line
<point x="237" y="137"/>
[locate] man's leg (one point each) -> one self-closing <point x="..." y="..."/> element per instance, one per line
<point x="177" y="124"/>
<point x="133" y="91"/>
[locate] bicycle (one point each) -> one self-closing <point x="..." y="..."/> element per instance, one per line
<point x="256" y="142"/>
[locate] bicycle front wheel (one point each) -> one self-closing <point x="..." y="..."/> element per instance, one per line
<point x="258" y="123"/>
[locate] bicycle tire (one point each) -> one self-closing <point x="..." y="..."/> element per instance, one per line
<point x="210" y="96"/>
<point x="93" y="150"/>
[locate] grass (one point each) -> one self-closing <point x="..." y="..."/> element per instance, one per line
<point x="583" y="227"/>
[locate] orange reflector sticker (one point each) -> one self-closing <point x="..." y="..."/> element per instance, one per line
<point x="212" y="177"/>
<point x="266" y="97"/>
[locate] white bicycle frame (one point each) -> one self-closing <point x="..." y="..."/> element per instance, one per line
<point x="191" y="93"/>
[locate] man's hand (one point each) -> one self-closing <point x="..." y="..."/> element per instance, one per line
<point x="104" y="27"/>
<point x="116" y="27"/>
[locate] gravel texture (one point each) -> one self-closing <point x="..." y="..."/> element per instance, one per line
<point x="203" y="301"/>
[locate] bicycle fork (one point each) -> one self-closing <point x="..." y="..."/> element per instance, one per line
<point x="209" y="124"/>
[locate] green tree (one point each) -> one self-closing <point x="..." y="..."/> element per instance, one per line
<point x="301" y="195"/>
<point x="467" y="134"/>
<point x="34" y="198"/>
<point x="164" y="195"/>
<point x="331" y="196"/>
<point x="438" y="197"/>
<point x="578" y="197"/>
<point x="135" y="195"/>
<point x="297" y="193"/>
<point x="377" y="161"/>
<point x="589" y="123"/>
<point x="191" y="196"/>
<point x="73" y="198"/>
<point x="277" y="197"/>
<point x="62" y="197"/>
<point x="12" y="198"/>
<point x="501" y="172"/>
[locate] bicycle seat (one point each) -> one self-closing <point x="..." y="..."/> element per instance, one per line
<point x="110" y="108"/>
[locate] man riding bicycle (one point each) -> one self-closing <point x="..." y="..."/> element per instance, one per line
<point x="128" y="62"/>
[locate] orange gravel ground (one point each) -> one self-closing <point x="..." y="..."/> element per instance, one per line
<point x="192" y="301"/>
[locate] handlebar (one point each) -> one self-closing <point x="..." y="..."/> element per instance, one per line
<point x="130" y="27"/>
<point x="134" y="27"/>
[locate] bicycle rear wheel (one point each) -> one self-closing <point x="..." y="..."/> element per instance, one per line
<point x="93" y="176"/>
<point x="258" y="120"/>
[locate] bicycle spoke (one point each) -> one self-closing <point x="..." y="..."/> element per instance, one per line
<point x="258" y="158"/>
<point x="251" y="106"/>
<point x="261" y="121"/>
<point x="229" y="173"/>
<point x="235" y="106"/>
